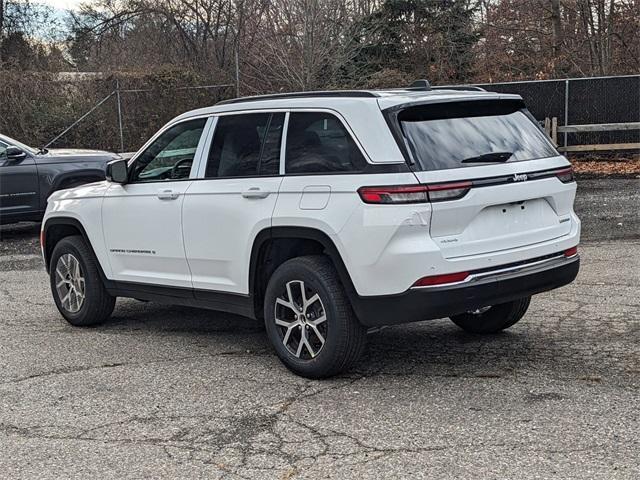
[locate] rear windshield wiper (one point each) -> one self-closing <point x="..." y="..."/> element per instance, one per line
<point x="497" y="157"/>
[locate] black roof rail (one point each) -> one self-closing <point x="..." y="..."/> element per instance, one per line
<point x="325" y="93"/>
<point x="462" y="88"/>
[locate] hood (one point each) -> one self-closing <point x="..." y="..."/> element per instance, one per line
<point x="88" y="190"/>
<point x="64" y="152"/>
<point x="64" y="155"/>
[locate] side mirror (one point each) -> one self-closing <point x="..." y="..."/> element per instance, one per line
<point x="14" y="154"/>
<point x="117" y="171"/>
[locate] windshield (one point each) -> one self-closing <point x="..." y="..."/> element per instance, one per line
<point x="467" y="134"/>
<point x="15" y="143"/>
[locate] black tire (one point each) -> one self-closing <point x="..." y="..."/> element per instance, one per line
<point x="495" y="319"/>
<point x="344" y="337"/>
<point x="97" y="305"/>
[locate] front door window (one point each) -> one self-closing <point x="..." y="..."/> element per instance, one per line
<point x="170" y="156"/>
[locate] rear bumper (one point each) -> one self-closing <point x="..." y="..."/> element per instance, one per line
<point x="489" y="287"/>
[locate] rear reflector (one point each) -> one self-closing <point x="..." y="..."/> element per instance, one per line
<point x="571" y="252"/>
<point x="565" y="175"/>
<point x="42" y="239"/>
<point x="441" y="279"/>
<point x="398" y="194"/>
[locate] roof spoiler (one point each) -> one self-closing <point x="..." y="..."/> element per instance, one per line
<point x="425" y="86"/>
<point x="420" y="85"/>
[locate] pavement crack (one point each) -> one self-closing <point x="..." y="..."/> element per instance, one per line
<point x="62" y="371"/>
<point x="69" y="370"/>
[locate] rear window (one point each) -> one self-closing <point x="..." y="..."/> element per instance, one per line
<point x="468" y="134"/>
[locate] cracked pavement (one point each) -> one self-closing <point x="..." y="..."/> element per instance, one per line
<point x="182" y="393"/>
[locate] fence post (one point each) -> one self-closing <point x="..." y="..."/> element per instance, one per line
<point x="119" y="115"/>
<point x="566" y="109"/>
<point x="547" y="125"/>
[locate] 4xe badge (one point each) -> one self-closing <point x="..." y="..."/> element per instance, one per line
<point x="520" y="177"/>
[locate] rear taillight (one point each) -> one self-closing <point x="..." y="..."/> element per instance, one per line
<point x="565" y="175"/>
<point x="395" y="194"/>
<point x="448" y="191"/>
<point x="571" y="252"/>
<point x="441" y="279"/>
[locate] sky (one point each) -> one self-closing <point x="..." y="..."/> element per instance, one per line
<point x="63" y="4"/>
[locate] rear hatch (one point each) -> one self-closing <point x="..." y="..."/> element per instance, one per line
<point x="496" y="180"/>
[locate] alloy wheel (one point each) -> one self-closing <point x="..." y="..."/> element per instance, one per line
<point x="70" y="283"/>
<point x="302" y="321"/>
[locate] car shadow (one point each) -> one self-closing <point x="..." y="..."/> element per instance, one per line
<point x="439" y="348"/>
<point x="131" y="314"/>
<point x="430" y="348"/>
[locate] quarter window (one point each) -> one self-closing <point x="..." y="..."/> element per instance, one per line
<point x="318" y="142"/>
<point x="170" y="156"/>
<point x="246" y="145"/>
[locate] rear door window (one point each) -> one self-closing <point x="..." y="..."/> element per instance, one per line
<point x="467" y="134"/>
<point x="318" y="142"/>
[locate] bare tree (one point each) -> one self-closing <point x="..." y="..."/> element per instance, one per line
<point x="543" y="38"/>
<point x="272" y="45"/>
<point x="302" y="45"/>
<point x="27" y="33"/>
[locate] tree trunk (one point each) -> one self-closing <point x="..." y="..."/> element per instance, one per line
<point x="556" y="21"/>
<point x="2" y="10"/>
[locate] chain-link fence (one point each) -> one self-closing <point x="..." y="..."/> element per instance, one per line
<point x="116" y="113"/>
<point x="121" y="112"/>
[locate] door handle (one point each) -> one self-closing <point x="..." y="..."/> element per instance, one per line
<point x="167" y="194"/>
<point x="255" y="192"/>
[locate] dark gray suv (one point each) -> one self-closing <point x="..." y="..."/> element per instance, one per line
<point x="29" y="175"/>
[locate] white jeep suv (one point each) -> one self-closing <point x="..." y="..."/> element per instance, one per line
<point x="325" y="214"/>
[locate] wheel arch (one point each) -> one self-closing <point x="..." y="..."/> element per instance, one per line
<point x="57" y="228"/>
<point x="307" y="241"/>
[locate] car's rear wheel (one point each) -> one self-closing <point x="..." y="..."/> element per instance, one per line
<point x="76" y="285"/>
<point x="492" y="319"/>
<point x="309" y="319"/>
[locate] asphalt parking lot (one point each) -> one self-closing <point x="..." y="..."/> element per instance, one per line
<point x="182" y="393"/>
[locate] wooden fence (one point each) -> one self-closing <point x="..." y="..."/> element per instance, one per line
<point x="552" y="129"/>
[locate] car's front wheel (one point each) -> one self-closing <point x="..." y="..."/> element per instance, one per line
<point x="492" y="319"/>
<point x="76" y="285"/>
<point x="309" y="319"/>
